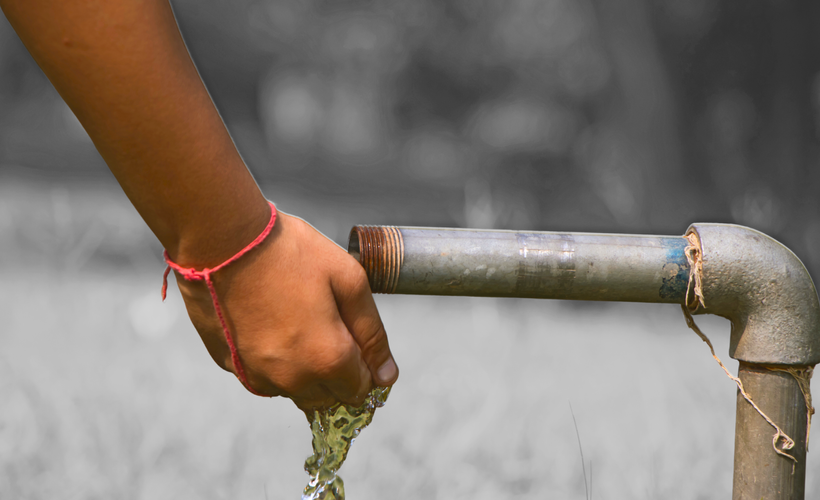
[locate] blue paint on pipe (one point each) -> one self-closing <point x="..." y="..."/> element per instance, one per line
<point x="674" y="287"/>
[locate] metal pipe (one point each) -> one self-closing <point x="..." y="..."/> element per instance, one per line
<point x="759" y="471"/>
<point x="577" y="266"/>
<point x="743" y="275"/>
<point x="760" y="286"/>
<point x="766" y="293"/>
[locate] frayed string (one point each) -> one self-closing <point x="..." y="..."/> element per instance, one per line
<point x="803" y="377"/>
<point x="192" y="274"/>
<point x="695" y="285"/>
<point x="788" y="443"/>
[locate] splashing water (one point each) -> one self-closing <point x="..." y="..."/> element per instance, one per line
<point x="333" y="432"/>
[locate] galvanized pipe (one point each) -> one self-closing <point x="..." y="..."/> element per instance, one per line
<point x="759" y="471"/>
<point x="745" y="276"/>
<point x="576" y="266"/>
<point x="766" y="293"/>
<point x="760" y="286"/>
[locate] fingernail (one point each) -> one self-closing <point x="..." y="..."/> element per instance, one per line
<point x="387" y="371"/>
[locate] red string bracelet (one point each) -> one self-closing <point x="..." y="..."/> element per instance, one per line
<point x="192" y="274"/>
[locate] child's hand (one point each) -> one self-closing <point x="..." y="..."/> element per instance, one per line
<point x="302" y="317"/>
<point x="299" y="308"/>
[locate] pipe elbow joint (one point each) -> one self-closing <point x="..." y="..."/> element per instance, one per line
<point x="764" y="290"/>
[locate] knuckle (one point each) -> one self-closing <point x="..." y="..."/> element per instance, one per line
<point x="373" y="339"/>
<point x="270" y="373"/>
<point x="258" y="367"/>
<point x="332" y="361"/>
<point x="358" y="280"/>
<point x="359" y="275"/>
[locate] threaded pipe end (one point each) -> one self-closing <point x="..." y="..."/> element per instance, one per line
<point x="380" y="251"/>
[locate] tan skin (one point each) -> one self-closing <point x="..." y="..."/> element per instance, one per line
<point x="299" y="307"/>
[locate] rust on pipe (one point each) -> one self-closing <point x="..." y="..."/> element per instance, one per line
<point x="380" y="250"/>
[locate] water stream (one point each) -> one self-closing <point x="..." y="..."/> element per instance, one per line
<point x="334" y="430"/>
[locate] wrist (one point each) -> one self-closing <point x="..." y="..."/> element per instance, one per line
<point x="218" y="231"/>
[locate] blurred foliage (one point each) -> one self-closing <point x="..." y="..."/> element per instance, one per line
<point x="604" y="115"/>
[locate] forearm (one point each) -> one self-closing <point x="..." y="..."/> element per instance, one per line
<point x="124" y="70"/>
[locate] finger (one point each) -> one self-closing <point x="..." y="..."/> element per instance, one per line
<point x="342" y="369"/>
<point x="259" y="384"/>
<point x="353" y="388"/>
<point x="308" y="405"/>
<point x="336" y="387"/>
<point x="359" y="313"/>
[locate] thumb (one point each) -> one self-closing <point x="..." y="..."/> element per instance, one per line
<point x="358" y="311"/>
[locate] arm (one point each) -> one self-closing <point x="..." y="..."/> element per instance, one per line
<point x="123" y="69"/>
<point x="300" y="308"/>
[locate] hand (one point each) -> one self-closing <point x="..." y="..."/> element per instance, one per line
<point x="299" y="308"/>
<point x="302" y="317"/>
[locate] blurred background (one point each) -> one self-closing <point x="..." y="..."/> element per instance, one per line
<point x="569" y="115"/>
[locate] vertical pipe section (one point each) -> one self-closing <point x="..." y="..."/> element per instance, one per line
<point x="760" y="473"/>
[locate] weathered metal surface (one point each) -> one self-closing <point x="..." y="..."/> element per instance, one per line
<point x="747" y="277"/>
<point x="577" y="266"/>
<point x="764" y="290"/>
<point x="759" y="471"/>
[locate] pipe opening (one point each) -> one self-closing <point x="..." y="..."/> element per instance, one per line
<point x="353" y="244"/>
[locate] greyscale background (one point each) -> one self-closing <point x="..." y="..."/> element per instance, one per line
<point x="631" y="116"/>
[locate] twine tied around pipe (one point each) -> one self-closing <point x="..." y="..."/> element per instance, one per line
<point x="803" y="377"/>
<point x="695" y="286"/>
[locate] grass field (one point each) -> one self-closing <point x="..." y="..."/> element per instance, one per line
<point x="106" y="393"/>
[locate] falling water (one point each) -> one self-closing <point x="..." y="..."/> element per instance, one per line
<point x="334" y="430"/>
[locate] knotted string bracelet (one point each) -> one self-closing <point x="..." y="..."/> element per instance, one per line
<point x="192" y="274"/>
